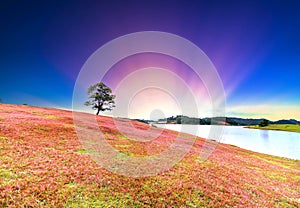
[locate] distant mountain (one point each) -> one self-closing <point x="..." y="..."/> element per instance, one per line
<point x="233" y="121"/>
<point x="246" y="121"/>
<point x="290" y="121"/>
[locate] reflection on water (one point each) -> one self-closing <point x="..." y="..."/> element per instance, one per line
<point x="264" y="134"/>
<point x="280" y="143"/>
<point x="265" y="138"/>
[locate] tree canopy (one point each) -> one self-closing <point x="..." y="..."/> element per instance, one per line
<point x="100" y="97"/>
<point x="263" y="123"/>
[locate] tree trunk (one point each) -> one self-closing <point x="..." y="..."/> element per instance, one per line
<point x="98" y="111"/>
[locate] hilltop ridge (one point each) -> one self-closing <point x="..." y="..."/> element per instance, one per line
<point x="234" y="121"/>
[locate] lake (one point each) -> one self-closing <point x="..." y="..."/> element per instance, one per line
<point x="279" y="143"/>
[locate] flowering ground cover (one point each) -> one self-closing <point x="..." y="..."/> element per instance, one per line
<point x="43" y="164"/>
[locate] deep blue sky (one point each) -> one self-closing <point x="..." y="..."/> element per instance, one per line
<point x="255" y="45"/>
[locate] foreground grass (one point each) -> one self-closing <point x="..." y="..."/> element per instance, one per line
<point x="43" y="164"/>
<point x="279" y="127"/>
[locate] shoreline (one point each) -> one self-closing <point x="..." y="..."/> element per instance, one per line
<point x="278" y="127"/>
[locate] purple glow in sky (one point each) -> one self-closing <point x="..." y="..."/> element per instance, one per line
<point x="138" y="68"/>
<point x="147" y="75"/>
<point x="254" y="45"/>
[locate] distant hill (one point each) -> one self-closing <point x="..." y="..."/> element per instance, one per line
<point x="233" y="121"/>
<point x="245" y="121"/>
<point x="290" y="121"/>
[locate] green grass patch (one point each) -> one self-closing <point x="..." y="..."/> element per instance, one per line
<point x="82" y="151"/>
<point x="279" y="127"/>
<point x="7" y="174"/>
<point x="83" y="198"/>
<point x="51" y="117"/>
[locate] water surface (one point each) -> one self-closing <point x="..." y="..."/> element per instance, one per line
<point x="279" y="143"/>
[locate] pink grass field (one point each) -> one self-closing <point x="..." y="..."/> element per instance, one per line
<point x="43" y="164"/>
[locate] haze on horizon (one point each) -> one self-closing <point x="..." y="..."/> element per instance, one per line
<point x="254" y="45"/>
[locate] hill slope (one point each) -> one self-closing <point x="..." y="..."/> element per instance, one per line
<point x="43" y="164"/>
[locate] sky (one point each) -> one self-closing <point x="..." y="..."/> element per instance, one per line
<point x="254" y="46"/>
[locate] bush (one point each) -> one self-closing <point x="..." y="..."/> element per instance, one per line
<point x="264" y="123"/>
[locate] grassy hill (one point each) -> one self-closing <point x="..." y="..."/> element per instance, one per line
<point x="43" y="164"/>
<point x="279" y="127"/>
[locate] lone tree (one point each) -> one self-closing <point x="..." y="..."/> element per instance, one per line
<point x="100" y="97"/>
<point x="263" y="123"/>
